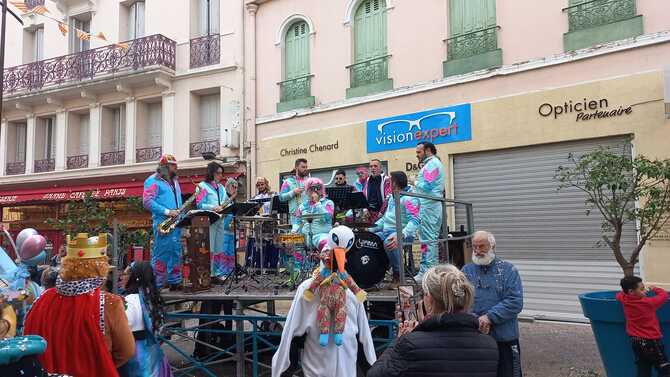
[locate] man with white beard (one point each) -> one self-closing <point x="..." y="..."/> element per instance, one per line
<point x="498" y="300"/>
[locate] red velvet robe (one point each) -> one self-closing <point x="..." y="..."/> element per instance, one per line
<point x="71" y="327"/>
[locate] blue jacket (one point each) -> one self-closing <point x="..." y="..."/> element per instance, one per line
<point x="499" y="295"/>
<point x="160" y="197"/>
<point x="409" y="215"/>
<point x="431" y="179"/>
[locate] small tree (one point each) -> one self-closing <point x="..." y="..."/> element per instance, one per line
<point x="93" y="216"/>
<point x="623" y="190"/>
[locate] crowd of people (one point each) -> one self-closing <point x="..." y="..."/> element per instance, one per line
<point x="465" y="323"/>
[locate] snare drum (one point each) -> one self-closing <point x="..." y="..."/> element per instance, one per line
<point x="367" y="261"/>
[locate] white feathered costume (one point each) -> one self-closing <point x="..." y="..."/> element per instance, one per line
<point x="329" y="361"/>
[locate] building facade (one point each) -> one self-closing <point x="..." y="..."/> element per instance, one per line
<point x="505" y="95"/>
<point x="89" y="113"/>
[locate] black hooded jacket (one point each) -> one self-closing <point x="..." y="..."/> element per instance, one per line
<point x="447" y="346"/>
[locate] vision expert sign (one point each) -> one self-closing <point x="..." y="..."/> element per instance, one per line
<point x="439" y="126"/>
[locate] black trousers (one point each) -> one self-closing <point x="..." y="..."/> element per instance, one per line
<point x="648" y="354"/>
<point x="509" y="359"/>
<point x="220" y="340"/>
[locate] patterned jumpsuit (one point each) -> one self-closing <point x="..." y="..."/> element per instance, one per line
<point x="160" y="197"/>
<point x="221" y="238"/>
<point x="320" y="226"/>
<point x="286" y="195"/>
<point x="430" y="182"/>
<point x="409" y="218"/>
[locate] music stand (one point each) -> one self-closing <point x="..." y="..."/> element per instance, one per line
<point x="355" y="201"/>
<point x="186" y="221"/>
<point x="238" y="209"/>
<point x="339" y="194"/>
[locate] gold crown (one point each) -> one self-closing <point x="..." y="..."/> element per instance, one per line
<point x="85" y="247"/>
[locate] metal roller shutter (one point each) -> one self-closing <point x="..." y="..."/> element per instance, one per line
<point x="545" y="233"/>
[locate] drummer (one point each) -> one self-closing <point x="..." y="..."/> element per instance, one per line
<point x="385" y="227"/>
<point x="270" y="253"/>
<point x="317" y="204"/>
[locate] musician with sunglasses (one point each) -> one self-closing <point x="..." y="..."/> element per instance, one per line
<point x="162" y="197"/>
<point x="321" y="208"/>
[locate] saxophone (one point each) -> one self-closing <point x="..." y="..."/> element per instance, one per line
<point x="170" y="223"/>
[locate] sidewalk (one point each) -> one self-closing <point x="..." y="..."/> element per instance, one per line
<point x="556" y="349"/>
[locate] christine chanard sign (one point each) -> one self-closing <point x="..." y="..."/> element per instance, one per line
<point x="439" y="126"/>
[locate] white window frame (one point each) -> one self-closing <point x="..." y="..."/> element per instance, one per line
<point x="136" y="20"/>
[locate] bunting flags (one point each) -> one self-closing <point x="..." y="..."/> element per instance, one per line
<point x="82" y="35"/>
<point x="63" y="27"/>
<point x="40" y="9"/>
<point x="20" y="5"/>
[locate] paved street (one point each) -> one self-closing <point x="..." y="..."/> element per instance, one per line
<point x="559" y="350"/>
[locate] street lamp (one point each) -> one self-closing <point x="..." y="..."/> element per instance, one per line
<point x="5" y="9"/>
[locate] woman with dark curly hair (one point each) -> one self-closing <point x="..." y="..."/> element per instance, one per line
<point x="145" y="316"/>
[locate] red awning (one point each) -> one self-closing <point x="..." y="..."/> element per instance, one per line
<point x="100" y="191"/>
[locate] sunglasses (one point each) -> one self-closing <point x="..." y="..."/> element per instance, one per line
<point x="315" y="187"/>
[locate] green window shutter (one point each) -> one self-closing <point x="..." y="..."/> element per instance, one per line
<point x="370" y="30"/>
<point x="296" y="51"/>
<point x="473" y="42"/>
<point x="295" y="89"/>
<point x="466" y="16"/>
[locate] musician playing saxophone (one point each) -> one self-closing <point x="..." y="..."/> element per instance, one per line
<point x="213" y="196"/>
<point x="162" y="197"/>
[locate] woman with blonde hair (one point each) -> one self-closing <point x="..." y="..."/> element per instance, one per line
<point x="447" y="342"/>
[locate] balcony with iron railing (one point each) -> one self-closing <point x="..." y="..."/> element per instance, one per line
<point x="14" y="168"/>
<point x="198" y="148"/>
<point x="153" y="50"/>
<point x="369" y="76"/>
<point x="45" y="165"/>
<point x="77" y="162"/>
<point x="112" y="158"/>
<point x="295" y="93"/>
<point x="148" y="154"/>
<point x="472" y="51"/>
<point x="599" y="21"/>
<point x="204" y="51"/>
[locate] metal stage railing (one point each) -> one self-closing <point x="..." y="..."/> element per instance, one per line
<point x="251" y="341"/>
<point x="446" y="203"/>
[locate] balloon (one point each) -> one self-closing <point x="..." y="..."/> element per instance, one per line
<point x="23" y="235"/>
<point x="32" y="246"/>
<point x="39" y="259"/>
<point x="7" y="265"/>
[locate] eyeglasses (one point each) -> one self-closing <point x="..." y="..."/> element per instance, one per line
<point x="315" y="187"/>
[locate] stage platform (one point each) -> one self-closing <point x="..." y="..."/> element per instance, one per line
<point x="219" y="293"/>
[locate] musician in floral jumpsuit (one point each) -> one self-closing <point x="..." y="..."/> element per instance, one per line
<point x="212" y="196"/>
<point x="162" y="197"/>
<point x="317" y="204"/>
<point x="385" y="227"/>
<point x="429" y="182"/>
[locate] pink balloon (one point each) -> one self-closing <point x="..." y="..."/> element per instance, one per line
<point x="32" y="246"/>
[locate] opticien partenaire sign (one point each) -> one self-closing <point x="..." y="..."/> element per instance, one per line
<point x="439" y="126"/>
<point x="586" y="109"/>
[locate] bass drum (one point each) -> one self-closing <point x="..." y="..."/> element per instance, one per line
<point x="367" y="261"/>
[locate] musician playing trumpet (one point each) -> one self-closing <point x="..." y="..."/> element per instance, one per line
<point x="320" y="206"/>
<point x="213" y="196"/>
<point x="162" y="197"/>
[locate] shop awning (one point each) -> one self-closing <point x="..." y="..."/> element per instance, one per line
<point x="102" y="191"/>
